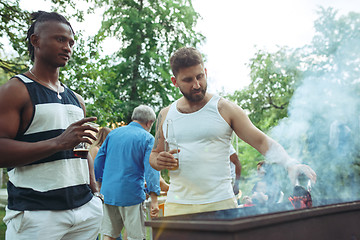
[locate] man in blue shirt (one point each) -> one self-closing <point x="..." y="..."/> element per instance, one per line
<point x="121" y="166"/>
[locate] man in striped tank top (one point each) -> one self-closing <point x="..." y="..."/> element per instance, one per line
<point x="203" y="124"/>
<point x="51" y="192"/>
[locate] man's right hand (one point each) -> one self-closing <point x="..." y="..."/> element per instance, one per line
<point x="166" y="160"/>
<point x="77" y="132"/>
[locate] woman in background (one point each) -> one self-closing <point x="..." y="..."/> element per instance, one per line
<point x="101" y="136"/>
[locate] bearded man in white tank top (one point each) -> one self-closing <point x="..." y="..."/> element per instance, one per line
<point x="203" y="124"/>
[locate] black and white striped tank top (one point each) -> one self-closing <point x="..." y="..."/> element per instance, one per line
<point x="60" y="181"/>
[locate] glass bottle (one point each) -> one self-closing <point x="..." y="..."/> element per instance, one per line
<point x="170" y="141"/>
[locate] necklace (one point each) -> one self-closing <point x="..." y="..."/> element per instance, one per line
<point x="56" y="90"/>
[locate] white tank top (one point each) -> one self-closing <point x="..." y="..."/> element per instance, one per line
<point x="203" y="138"/>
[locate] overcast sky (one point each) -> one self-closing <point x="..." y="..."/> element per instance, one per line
<point x="234" y="27"/>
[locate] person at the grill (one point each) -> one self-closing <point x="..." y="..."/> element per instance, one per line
<point x="203" y="124"/>
<point x="51" y="192"/>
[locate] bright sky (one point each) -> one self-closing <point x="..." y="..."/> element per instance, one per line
<point x="234" y="27"/>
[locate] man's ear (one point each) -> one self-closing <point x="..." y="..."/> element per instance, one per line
<point x="34" y="40"/>
<point x="173" y="80"/>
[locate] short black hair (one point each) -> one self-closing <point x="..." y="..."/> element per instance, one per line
<point x="42" y="16"/>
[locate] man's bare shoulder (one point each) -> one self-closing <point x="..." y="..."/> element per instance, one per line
<point x="13" y="82"/>
<point x="15" y="108"/>
<point x="162" y="115"/>
<point x="13" y="90"/>
<point x="158" y="129"/>
<point x="230" y="110"/>
<point x="225" y="104"/>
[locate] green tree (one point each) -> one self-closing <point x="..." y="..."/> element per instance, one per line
<point x="14" y="24"/>
<point x="266" y="99"/>
<point x="273" y="77"/>
<point x="332" y="65"/>
<point x="85" y="73"/>
<point x="317" y="85"/>
<point x="149" y="30"/>
<point x="137" y="73"/>
<point x="13" y="27"/>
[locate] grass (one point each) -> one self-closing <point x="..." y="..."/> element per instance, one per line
<point x="2" y="224"/>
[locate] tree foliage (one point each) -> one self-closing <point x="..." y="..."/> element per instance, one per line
<point x="332" y="63"/>
<point x="308" y="100"/>
<point x="266" y="99"/>
<point x="137" y="73"/>
<point x="85" y="73"/>
<point x="13" y="27"/>
<point x="273" y="77"/>
<point x="149" y="30"/>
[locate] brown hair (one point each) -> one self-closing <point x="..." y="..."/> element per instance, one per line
<point x="101" y="136"/>
<point x="185" y="57"/>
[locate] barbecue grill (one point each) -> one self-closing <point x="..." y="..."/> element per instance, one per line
<point x="332" y="221"/>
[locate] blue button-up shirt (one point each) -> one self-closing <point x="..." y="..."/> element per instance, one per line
<point x="122" y="165"/>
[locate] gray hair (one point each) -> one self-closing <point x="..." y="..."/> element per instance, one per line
<point x="143" y="114"/>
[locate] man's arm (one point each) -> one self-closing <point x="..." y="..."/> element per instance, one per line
<point x="13" y="102"/>
<point x="152" y="176"/>
<point x="164" y="186"/>
<point x="235" y="160"/>
<point x="93" y="185"/>
<point x="99" y="162"/>
<point x="273" y="151"/>
<point x="14" y="105"/>
<point x="159" y="159"/>
<point x="242" y="126"/>
<point x="154" y="205"/>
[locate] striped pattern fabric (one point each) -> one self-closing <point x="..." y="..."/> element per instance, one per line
<point x="57" y="182"/>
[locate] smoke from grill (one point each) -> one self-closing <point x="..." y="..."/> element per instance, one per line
<point x="322" y="128"/>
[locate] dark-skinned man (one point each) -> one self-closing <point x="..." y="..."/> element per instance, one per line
<point x="51" y="193"/>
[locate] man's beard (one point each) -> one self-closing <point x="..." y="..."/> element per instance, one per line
<point x="195" y="98"/>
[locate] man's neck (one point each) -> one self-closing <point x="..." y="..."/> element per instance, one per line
<point x="186" y="106"/>
<point x="45" y="72"/>
<point x="142" y="124"/>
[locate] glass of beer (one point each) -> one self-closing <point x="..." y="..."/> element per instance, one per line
<point x="81" y="150"/>
<point x="171" y="143"/>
